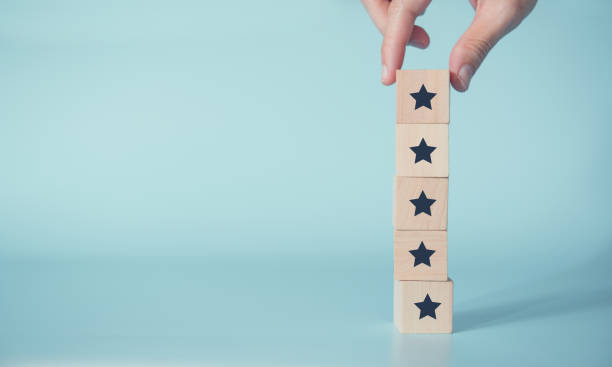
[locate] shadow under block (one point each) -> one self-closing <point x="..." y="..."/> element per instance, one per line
<point x="422" y="96"/>
<point x="420" y="203"/>
<point x="423" y="307"/>
<point x="420" y="255"/>
<point x="421" y="150"/>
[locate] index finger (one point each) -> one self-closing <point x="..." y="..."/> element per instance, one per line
<point x="400" y="24"/>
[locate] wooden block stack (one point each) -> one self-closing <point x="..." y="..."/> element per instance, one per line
<point x="422" y="292"/>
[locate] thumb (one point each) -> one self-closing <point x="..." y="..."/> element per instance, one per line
<point x="493" y="20"/>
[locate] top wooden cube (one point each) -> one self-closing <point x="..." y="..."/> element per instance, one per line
<point x="422" y="96"/>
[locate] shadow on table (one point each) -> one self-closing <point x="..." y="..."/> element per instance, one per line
<point x="544" y="305"/>
<point x="577" y="289"/>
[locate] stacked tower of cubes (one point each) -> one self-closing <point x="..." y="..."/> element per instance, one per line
<point x="423" y="293"/>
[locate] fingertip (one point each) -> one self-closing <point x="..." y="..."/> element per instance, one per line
<point x="388" y="76"/>
<point x="419" y="38"/>
<point x="459" y="87"/>
<point x="419" y="44"/>
<point x="461" y="79"/>
<point x="459" y="65"/>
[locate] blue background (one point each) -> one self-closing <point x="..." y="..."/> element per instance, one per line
<point x="188" y="182"/>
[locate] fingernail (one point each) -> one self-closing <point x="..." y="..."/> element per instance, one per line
<point x="385" y="73"/>
<point x="465" y="75"/>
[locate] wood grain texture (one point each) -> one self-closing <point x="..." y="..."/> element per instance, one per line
<point x="410" y="135"/>
<point x="404" y="268"/>
<point x="407" y="188"/>
<point x="406" y="315"/>
<point x="410" y="81"/>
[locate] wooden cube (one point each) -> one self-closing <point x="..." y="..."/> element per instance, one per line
<point x="420" y="203"/>
<point x="420" y="255"/>
<point x="422" y="96"/>
<point x="423" y="307"/>
<point x="421" y="150"/>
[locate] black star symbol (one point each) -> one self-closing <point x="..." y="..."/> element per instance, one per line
<point x="422" y="98"/>
<point x="422" y="255"/>
<point x="427" y="307"/>
<point x="422" y="204"/>
<point x="422" y="151"/>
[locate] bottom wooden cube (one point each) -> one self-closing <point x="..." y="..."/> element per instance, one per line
<point x="423" y="307"/>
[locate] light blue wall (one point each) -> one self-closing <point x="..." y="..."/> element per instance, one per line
<point x="189" y="128"/>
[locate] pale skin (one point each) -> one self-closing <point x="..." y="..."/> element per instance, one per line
<point x="395" y="19"/>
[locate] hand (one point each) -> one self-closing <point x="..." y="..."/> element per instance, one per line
<point x="395" y="20"/>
